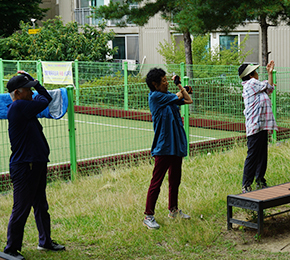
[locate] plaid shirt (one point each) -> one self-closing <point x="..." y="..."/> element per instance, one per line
<point x="258" y="111"/>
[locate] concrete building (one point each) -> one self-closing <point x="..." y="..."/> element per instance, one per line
<point x="139" y="44"/>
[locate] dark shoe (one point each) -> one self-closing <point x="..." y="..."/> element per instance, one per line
<point x="246" y="189"/>
<point x="261" y="185"/>
<point x="178" y="213"/>
<point x="15" y="254"/>
<point x="52" y="247"/>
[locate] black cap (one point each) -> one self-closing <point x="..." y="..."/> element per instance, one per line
<point x="20" y="81"/>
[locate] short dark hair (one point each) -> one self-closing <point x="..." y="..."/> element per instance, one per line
<point x="242" y="68"/>
<point x="154" y="75"/>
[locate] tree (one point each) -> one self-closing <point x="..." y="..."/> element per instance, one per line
<point x="58" y="42"/>
<point x="202" y="16"/>
<point x="12" y="12"/>
<point x="140" y="15"/>
<point x="202" y="55"/>
<point x="223" y="15"/>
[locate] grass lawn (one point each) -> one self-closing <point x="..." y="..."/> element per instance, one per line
<point x="100" y="216"/>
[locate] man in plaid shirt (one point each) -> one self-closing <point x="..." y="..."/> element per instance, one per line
<point x="259" y="120"/>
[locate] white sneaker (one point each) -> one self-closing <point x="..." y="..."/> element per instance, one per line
<point x="178" y="213"/>
<point x="150" y="222"/>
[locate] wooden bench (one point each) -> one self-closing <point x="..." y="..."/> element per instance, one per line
<point x="258" y="200"/>
<point x="4" y="256"/>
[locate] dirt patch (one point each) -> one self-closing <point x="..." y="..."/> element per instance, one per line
<point x="276" y="235"/>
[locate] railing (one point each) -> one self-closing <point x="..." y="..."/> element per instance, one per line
<point x="86" y="16"/>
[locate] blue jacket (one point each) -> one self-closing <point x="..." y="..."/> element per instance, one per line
<point x="28" y="143"/>
<point x="170" y="137"/>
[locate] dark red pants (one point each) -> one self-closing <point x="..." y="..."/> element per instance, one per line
<point x="163" y="163"/>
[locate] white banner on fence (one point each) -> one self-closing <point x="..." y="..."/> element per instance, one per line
<point x="57" y="72"/>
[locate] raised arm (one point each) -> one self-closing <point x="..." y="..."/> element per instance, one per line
<point x="270" y="68"/>
<point x="182" y="93"/>
<point x="40" y="89"/>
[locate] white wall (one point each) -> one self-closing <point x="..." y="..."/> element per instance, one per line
<point x="157" y="30"/>
<point x="278" y="44"/>
<point x="66" y="10"/>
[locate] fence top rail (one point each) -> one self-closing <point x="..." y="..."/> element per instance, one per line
<point x="152" y="64"/>
<point x="226" y="68"/>
<point x="12" y="61"/>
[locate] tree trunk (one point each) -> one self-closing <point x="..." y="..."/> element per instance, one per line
<point x="188" y="53"/>
<point x="264" y="29"/>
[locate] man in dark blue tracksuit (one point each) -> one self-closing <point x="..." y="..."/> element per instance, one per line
<point x="28" y="163"/>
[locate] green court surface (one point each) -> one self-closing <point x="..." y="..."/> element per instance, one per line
<point x="99" y="137"/>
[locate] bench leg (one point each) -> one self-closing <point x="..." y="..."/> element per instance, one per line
<point x="260" y="220"/>
<point x="229" y="216"/>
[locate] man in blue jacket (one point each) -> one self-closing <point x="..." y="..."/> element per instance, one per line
<point x="28" y="163"/>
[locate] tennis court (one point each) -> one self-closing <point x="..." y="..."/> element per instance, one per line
<point x="100" y="137"/>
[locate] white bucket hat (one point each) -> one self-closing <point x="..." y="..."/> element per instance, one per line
<point x="248" y="70"/>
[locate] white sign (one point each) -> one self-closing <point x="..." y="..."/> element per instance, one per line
<point x="57" y="72"/>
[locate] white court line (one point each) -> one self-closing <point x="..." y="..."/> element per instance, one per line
<point x="117" y="126"/>
<point x="198" y="136"/>
<point x="135" y="128"/>
<point x="204" y="138"/>
<point x="115" y="154"/>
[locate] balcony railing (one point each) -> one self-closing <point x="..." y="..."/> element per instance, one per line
<point x="83" y="16"/>
<point x="86" y="16"/>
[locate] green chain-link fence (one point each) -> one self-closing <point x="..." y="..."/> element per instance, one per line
<point x="111" y="118"/>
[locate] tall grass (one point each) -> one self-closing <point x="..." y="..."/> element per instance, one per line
<point x="100" y="217"/>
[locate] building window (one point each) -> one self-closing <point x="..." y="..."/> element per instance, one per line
<point x="224" y="42"/>
<point x="88" y="3"/>
<point x="120" y="43"/>
<point x="128" y="47"/>
<point x="82" y="3"/>
<point x="251" y="44"/>
<point x="178" y="38"/>
<point x="97" y="3"/>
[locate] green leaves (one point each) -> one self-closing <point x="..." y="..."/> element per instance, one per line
<point x="58" y="42"/>
<point x="226" y="15"/>
<point x="201" y="55"/>
<point x="12" y="12"/>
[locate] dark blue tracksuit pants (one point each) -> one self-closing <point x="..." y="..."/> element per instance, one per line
<point x="256" y="161"/>
<point x="29" y="184"/>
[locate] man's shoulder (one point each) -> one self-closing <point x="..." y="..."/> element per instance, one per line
<point x="250" y="83"/>
<point x="17" y="105"/>
<point x="158" y="94"/>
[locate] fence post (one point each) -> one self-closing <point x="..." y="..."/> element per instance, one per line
<point x="182" y="83"/>
<point x="18" y="65"/>
<point x="186" y="118"/>
<point x="77" y="82"/>
<point x="1" y="77"/>
<point x="126" y="107"/>
<point x="71" y="129"/>
<point x="182" y="73"/>
<point x="39" y="72"/>
<point x="274" y="105"/>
